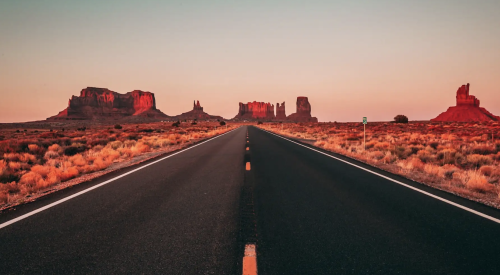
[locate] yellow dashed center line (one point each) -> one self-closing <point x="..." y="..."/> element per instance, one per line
<point x="250" y="260"/>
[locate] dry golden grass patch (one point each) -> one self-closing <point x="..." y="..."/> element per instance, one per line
<point x="31" y="162"/>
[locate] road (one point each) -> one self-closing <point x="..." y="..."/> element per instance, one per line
<point x="307" y="213"/>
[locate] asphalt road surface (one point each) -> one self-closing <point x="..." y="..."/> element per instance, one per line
<point x="307" y="213"/>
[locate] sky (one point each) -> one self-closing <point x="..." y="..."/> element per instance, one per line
<point x="350" y="58"/>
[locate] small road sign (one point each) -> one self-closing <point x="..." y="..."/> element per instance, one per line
<point x="365" y="121"/>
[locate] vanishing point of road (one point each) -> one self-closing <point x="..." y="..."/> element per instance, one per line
<point x="250" y="195"/>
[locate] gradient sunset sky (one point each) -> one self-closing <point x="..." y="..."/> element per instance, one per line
<point x="351" y="58"/>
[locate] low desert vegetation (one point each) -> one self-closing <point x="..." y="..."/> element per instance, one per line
<point x="401" y="119"/>
<point x="462" y="158"/>
<point x="33" y="161"/>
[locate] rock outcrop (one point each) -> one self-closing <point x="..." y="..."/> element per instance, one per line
<point x="255" y="111"/>
<point x="467" y="109"/>
<point x="280" y="111"/>
<point x="303" y="113"/>
<point x="197" y="113"/>
<point x="99" y="103"/>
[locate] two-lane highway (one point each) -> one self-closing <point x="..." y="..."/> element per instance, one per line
<point x="306" y="213"/>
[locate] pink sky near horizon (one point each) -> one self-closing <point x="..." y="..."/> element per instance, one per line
<point x="350" y="58"/>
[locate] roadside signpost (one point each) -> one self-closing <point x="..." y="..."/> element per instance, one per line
<point x="365" y="121"/>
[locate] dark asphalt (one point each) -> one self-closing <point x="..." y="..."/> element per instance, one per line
<point x="178" y="216"/>
<point x="317" y="215"/>
<point x="307" y="213"/>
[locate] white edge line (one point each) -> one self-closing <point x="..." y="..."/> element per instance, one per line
<point x="22" y="217"/>
<point x="393" y="180"/>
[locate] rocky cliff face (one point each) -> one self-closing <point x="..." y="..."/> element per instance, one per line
<point x="464" y="99"/>
<point x="256" y="110"/>
<point x="467" y="109"/>
<point x="280" y="111"/>
<point x="303" y="112"/>
<point x="97" y="103"/>
<point x="197" y="113"/>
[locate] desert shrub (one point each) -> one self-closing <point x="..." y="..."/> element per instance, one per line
<point x="9" y="176"/>
<point x="434" y="145"/>
<point x="400" y="119"/>
<point x="222" y="123"/>
<point x="389" y="158"/>
<point x="377" y="155"/>
<point x="10" y="188"/>
<point x="401" y="152"/>
<point x="381" y="145"/>
<point x="484" y="150"/>
<point x="50" y="135"/>
<point x="133" y="137"/>
<point x="352" y="137"/>
<point x="486" y="170"/>
<point x="54" y="148"/>
<point x="411" y="164"/>
<point x="176" y="124"/>
<point x="447" y="171"/>
<point x="73" y="150"/>
<point x="4" y="198"/>
<point x="477" y="182"/>
<point x="476" y="161"/>
<point x="118" y="127"/>
<point x="140" y="147"/>
<point x="51" y="155"/>
<point x="370" y="144"/>
<point x="425" y="156"/>
<point x="64" y="141"/>
<point x="95" y="142"/>
<point x="115" y="144"/>
<point x="259" y="122"/>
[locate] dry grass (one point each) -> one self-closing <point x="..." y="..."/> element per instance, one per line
<point x="462" y="158"/>
<point x="31" y="162"/>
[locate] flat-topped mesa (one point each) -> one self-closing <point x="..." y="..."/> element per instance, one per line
<point x="280" y="111"/>
<point x="197" y="113"/>
<point x="303" y="112"/>
<point x="95" y="103"/>
<point x="463" y="97"/>
<point x="142" y="101"/>
<point x="255" y="111"/>
<point x="467" y="109"/>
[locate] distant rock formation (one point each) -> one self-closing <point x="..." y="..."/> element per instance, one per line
<point x="196" y="106"/>
<point x="467" y="109"/>
<point x="197" y="113"/>
<point x="99" y="103"/>
<point x="255" y="111"/>
<point x="303" y="113"/>
<point x="464" y="99"/>
<point x="280" y="111"/>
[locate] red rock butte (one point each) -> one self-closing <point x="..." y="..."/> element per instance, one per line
<point x="197" y="113"/>
<point x="255" y="110"/>
<point x="99" y="103"/>
<point x="280" y="111"/>
<point x="467" y="109"/>
<point x="265" y="111"/>
<point x="303" y="112"/>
